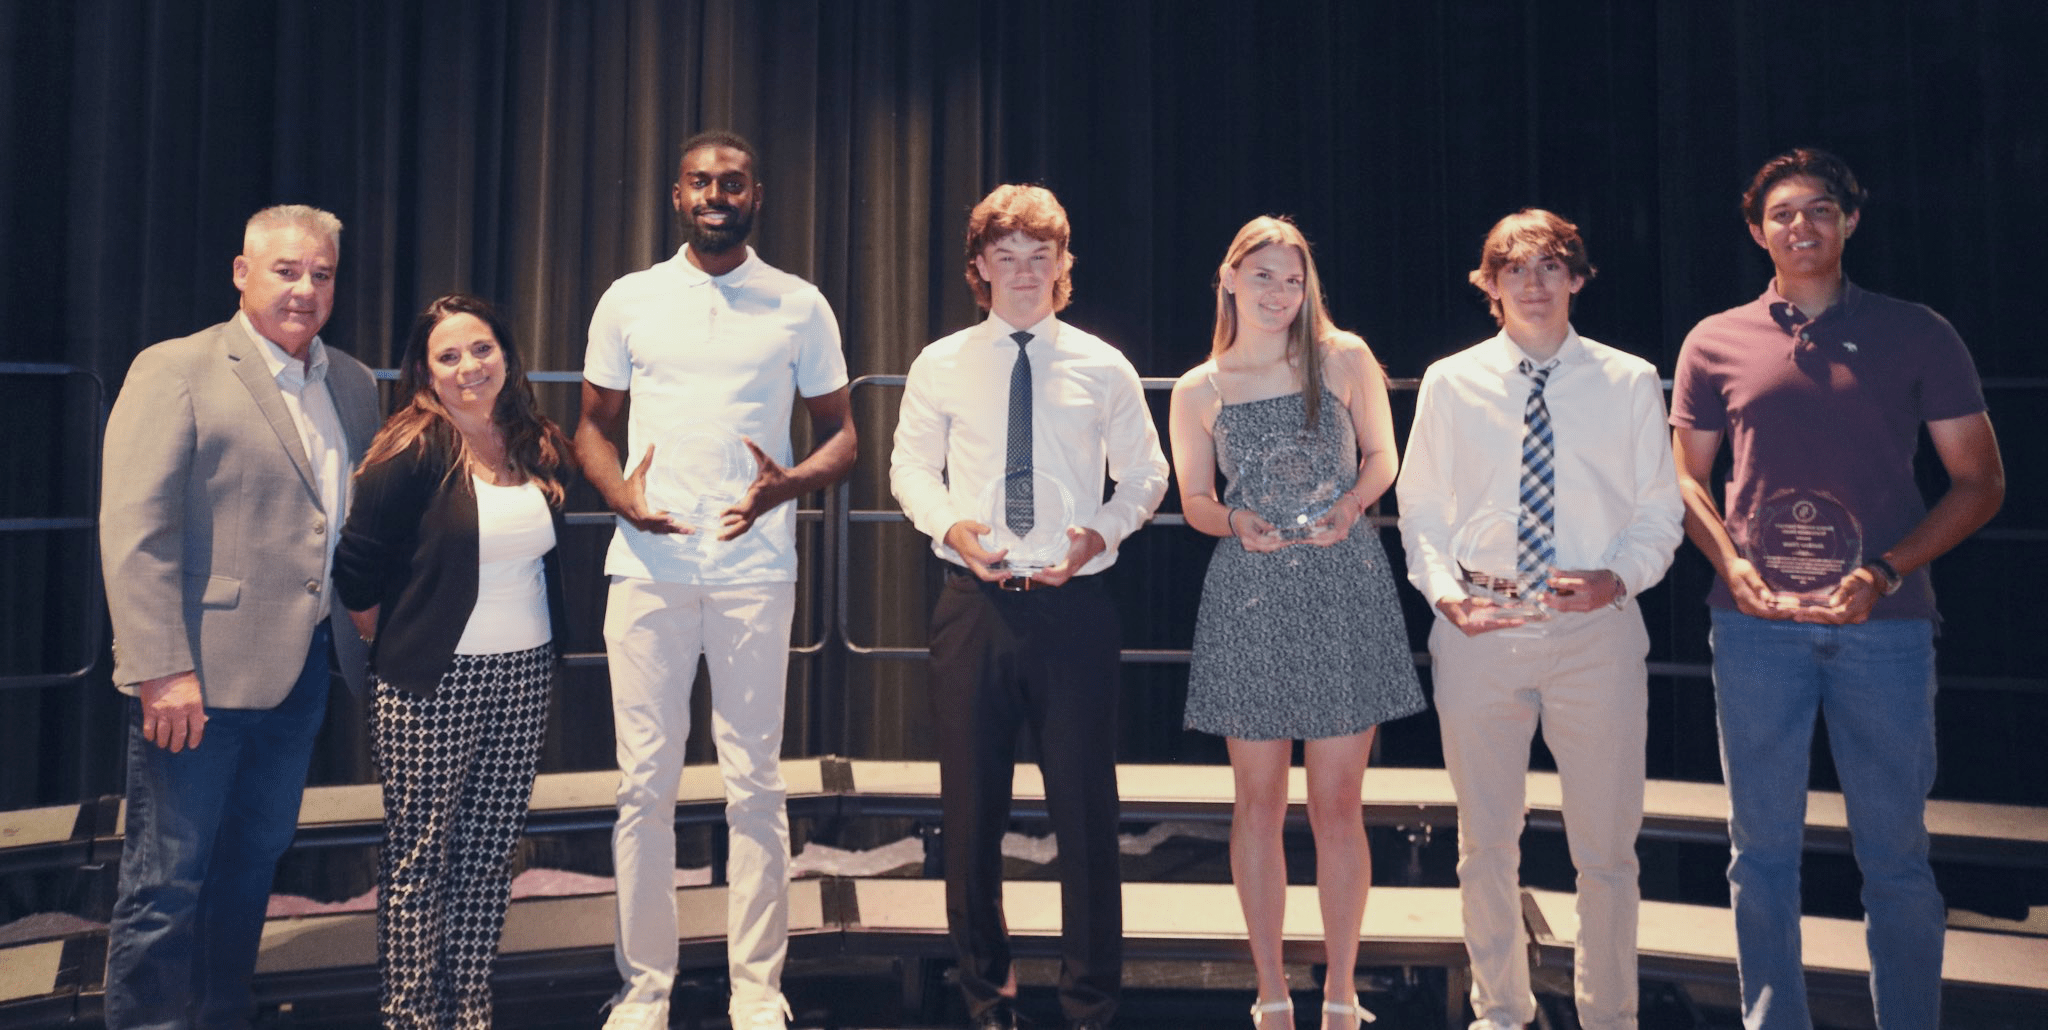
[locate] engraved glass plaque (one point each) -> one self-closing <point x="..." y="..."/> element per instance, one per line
<point x="1485" y="549"/>
<point x="700" y="469"/>
<point x="1802" y="543"/>
<point x="1045" y="544"/>
<point x="1287" y="484"/>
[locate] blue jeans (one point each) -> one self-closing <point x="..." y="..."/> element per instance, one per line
<point x="1875" y="682"/>
<point x="205" y="829"/>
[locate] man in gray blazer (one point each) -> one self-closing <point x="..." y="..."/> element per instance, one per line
<point x="226" y="480"/>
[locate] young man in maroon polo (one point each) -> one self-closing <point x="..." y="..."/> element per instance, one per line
<point x="1822" y="388"/>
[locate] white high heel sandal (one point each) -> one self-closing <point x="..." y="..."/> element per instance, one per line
<point x="1283" y="1005"/>
<point x="1350" y="1008"/>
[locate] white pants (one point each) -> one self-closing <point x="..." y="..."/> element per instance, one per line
<point x="653" y="633"/>
<point x="1583" y="676"/>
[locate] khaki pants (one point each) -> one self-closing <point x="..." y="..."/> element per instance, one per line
<point x="1583" y="677"/>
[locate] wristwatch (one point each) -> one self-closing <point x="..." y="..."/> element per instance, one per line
<point x="1888" y="576"/>
<point x="1620" y="593"/>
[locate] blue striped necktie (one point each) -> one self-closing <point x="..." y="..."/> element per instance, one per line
<point x="1017" y="500"/>
<point x="1536" y="530"/>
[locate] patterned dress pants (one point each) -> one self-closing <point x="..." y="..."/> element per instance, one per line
<point x="458" y="771"/>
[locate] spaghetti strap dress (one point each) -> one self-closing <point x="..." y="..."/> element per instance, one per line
<point x="1304" y="642"/>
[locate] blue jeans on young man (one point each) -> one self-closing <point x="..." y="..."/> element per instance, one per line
<point x="1874" y="682"/>
<point x="205" y="828"/>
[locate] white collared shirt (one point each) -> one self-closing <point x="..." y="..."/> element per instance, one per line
<point x="1088" y="415"/>
<point x="728" y="353"/>
<point x="1618" y="506"/>
<point x="304" y="387"/>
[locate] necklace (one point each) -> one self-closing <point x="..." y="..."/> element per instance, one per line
<point x="487" y="454"/>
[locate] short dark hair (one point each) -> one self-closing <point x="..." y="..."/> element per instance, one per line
<point x="719" y="138"/>
<point x="1830" y="171"/>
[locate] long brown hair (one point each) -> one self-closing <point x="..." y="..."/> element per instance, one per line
<point x="534" y="446"/>
<point x="1311" y="324"/>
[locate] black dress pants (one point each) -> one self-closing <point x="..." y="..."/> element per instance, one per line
<point x="1044" y="659"/>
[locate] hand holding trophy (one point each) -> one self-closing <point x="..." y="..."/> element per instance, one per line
<point x="1486" y="552"/>
<point x="700" y="469"/>
<point x="1028" y="513"/>
<point x="1290" y="487"/>
<point x="1802" y="542"/>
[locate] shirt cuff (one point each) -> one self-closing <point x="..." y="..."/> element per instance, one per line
<point x="1111" y="530"/>
<point x="1444" y="587"/>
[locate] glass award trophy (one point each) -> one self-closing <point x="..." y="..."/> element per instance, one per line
<point x="1288" y="486"/>
<point x="1045" y="544"/>
<point x="1485" y="549"/>
<point x="1802" y="543"/>
<point x="700" y="469"/>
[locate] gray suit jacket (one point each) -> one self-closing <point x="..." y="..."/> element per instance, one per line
<point x="212" y="536"/>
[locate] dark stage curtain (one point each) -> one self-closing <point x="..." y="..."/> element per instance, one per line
<point x="524" y="150"/>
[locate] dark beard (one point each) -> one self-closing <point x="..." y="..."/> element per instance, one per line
<point x="720" y="240"/>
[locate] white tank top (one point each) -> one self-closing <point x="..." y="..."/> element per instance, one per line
<point x="513" y="530"/>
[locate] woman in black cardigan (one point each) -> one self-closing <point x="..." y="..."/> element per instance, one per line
<point x="447" y="566"/>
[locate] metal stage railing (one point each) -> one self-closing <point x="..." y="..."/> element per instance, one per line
<point x="830" y="584"/>
<point x="87" y="636"/>
<point x="840" y="517"/>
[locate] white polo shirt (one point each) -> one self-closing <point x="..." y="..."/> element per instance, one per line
<point x="732" y="351"/>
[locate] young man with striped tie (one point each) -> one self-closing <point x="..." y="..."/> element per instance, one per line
<point x="1538" y="465"/>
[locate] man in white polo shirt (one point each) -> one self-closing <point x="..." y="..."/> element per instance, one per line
<point x="711" y="346"/>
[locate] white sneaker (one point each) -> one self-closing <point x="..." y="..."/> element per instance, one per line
<point x="770" y="1013"/>
<point x="1490" y="1023"/>
<point x="638" y="1015"/>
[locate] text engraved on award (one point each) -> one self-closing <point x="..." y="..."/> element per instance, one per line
<point x="1802" y="542"/>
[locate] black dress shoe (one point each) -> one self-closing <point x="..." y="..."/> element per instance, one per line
<point x="998" y="1017"/>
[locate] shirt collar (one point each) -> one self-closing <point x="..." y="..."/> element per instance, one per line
<point x="283" y="367"/>
<point x="1504" y="356"/>
<point x="1790" y="319"/>
<point x="695" y="276"/>
<point x="997" y="328"/>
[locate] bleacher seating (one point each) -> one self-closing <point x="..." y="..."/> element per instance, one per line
<point x="49" y="982"/>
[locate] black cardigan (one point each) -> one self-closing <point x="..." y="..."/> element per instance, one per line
<point x="410" y="547"/>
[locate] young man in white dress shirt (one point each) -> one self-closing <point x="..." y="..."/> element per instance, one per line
<point x="1565" y="436"/>
<point x="1037" y="650"/>
<point x="713" y="341"/>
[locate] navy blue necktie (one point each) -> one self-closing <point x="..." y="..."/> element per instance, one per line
<point x="1536" y="530"/>
<point x="1017" y="499"/>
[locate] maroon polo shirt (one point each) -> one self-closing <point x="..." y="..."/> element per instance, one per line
<point x="1833" y="404"/>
